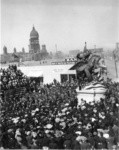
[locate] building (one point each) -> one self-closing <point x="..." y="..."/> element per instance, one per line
<point x="116" y="52"/>
<point x="73" y="53"/>
<point x="44" y="54"/>
<point x="6" y="58"/>
<point x="98" y="51"/>
<point x="34" y="46"/>
<point x="34" y="53"/>
<point x="59" y="55"/>
<point x="117" y="47"/>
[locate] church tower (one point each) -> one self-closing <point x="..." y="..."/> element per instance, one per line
<point x="4" y="50"/>
<point x="34" y="46"/>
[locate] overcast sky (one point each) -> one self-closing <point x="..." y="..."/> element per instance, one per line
<point x="67" y="23"/>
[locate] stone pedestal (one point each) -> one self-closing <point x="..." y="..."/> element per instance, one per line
<point x="92" y="92"/>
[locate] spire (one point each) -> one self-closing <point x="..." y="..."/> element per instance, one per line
<point x="33" y="27"/>
<point x="85" y="47"/>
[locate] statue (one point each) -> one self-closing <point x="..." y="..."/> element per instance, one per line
<point x="88" y="67"/>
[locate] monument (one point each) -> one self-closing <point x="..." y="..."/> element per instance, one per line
<point x="91" y="72"/>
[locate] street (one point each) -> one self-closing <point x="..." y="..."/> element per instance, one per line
<point x="111" y="68"/>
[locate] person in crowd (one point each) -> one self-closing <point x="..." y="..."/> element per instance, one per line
<point x="34" y="117"/>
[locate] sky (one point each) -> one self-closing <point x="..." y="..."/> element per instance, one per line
<point x="65" y="23"/>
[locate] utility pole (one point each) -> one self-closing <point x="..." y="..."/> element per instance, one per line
<point x="56" y="50"/>
<point x="56" y="47"/>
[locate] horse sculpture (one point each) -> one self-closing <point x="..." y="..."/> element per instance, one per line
<point x="88" y="66"/>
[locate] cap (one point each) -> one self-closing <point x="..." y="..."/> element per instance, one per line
<point x="78" y="132"/>
<point x="49" y="126"/>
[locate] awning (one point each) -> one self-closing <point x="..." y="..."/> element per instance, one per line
<point x="34" y="74"/>
<point x="31" y="72"/>
<point x="69" y="72"/>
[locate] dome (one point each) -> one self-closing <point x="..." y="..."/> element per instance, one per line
<point x="34" y="33"/>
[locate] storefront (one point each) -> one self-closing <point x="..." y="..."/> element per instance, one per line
<point x="68" y="76"/>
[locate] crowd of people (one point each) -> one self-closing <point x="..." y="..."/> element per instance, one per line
<point x="48" y="116"/>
